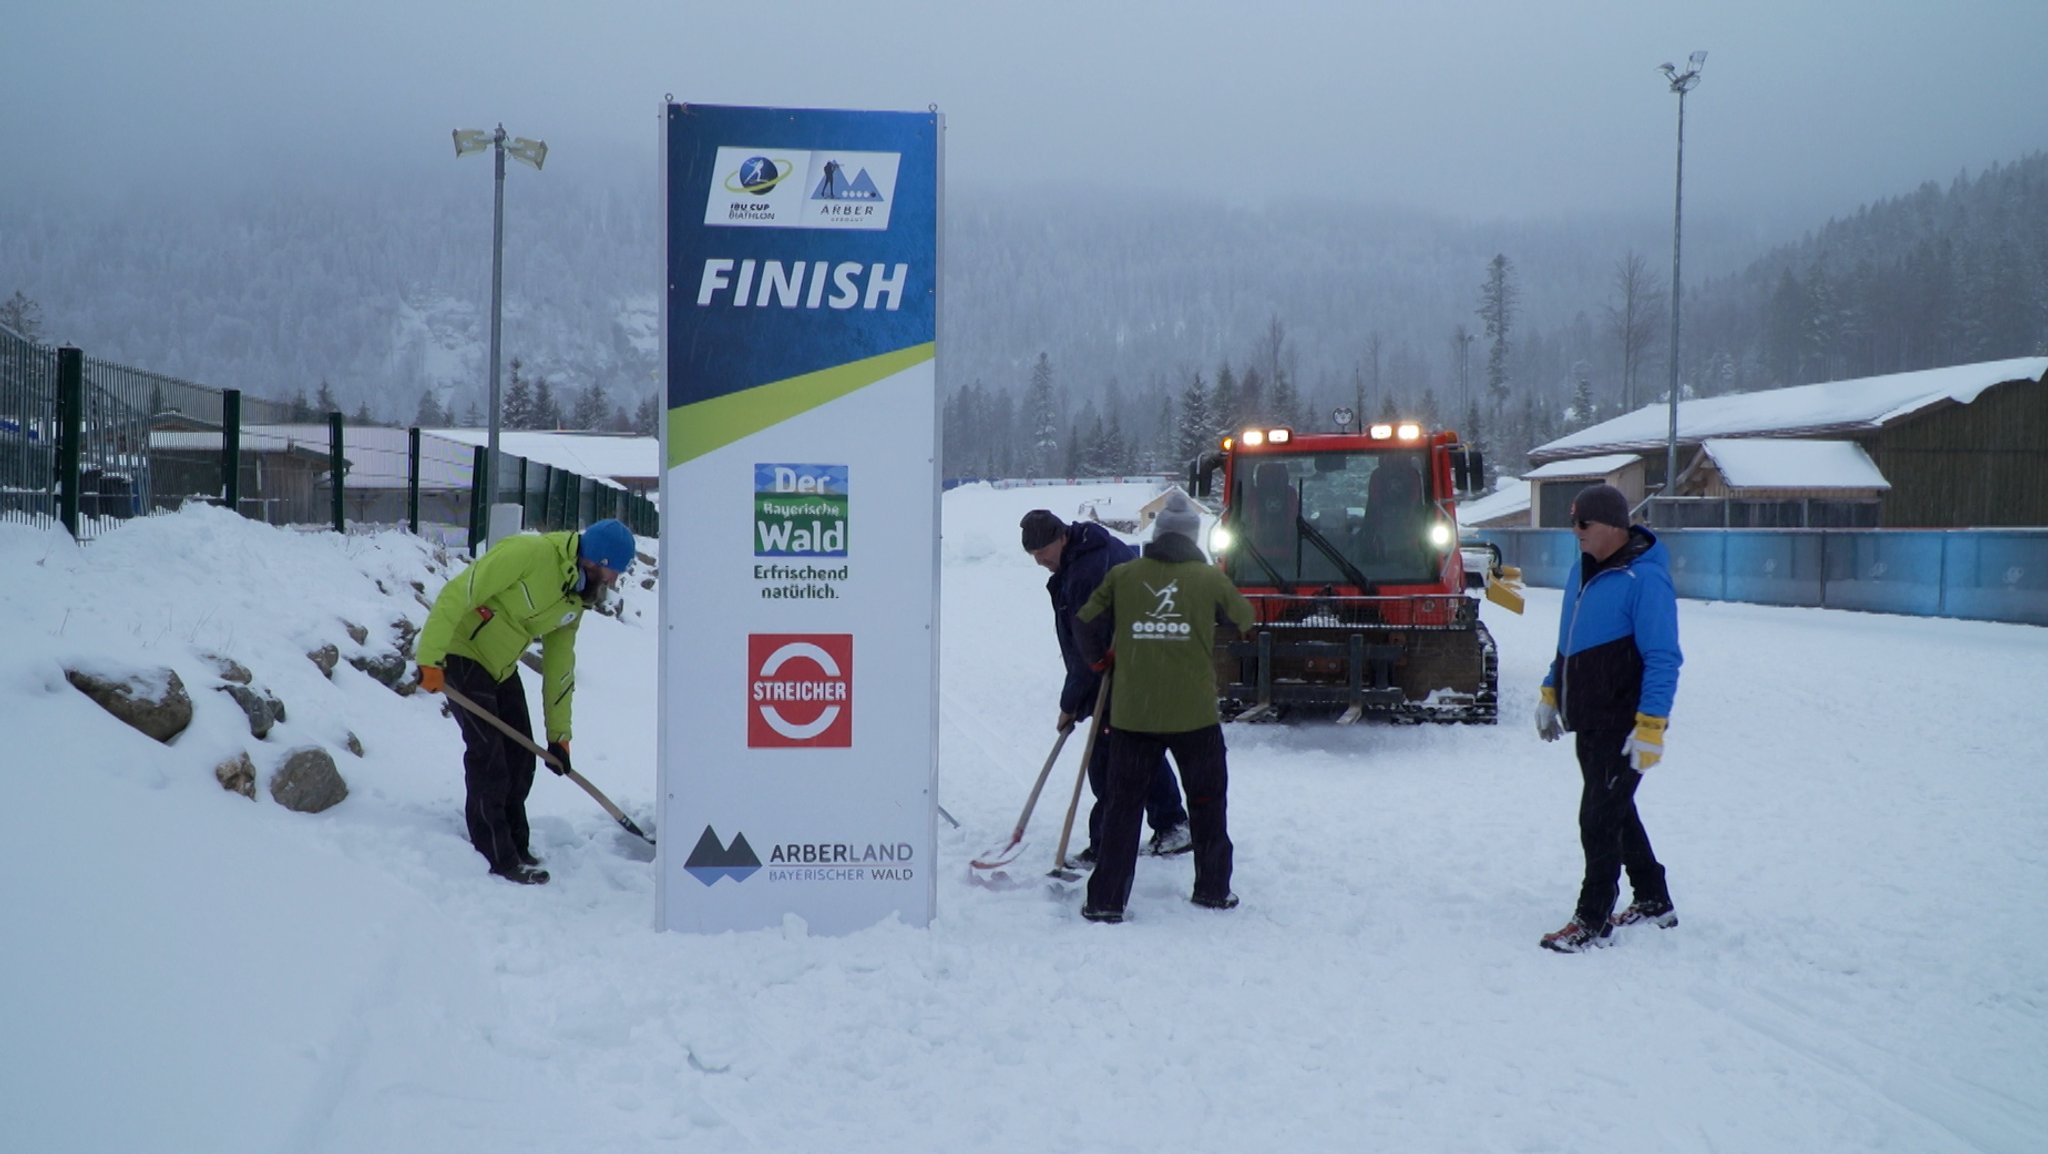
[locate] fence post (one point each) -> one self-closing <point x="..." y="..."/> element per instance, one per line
<point x="412" y="479"/>
<point x="70" y="430"/>
<point x="231" y="449"/>
<point x="478" y="508"/>
<point x="335" y="466"/>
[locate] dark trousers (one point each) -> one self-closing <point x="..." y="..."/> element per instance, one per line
<point x="1163" y="809"/>
<point x="1610" y="830"/>
<point x="1132" y="756"/>
<point x="496" y="771"/>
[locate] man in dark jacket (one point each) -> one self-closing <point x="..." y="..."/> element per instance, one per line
<point x="1164" y="608"/>
<point x="1079" y="555"/>
<point x="1612" y="684"/>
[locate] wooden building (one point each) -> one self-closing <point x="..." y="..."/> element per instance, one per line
<point x="1957" y="447"/>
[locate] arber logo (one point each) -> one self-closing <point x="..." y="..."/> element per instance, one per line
<point x="800" y="690"/>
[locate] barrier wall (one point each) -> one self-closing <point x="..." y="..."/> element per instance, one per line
<point x="1978" y="574"/>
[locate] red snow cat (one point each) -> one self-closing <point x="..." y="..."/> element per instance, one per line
<point x="1346" y="544"/>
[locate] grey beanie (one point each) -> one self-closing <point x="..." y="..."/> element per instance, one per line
<point x="1602" y="505"/>
<point x="1178" y="515"/>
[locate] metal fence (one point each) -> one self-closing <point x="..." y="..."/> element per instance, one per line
<point x="89" y="444"/>
<point x="1978" y="574"/>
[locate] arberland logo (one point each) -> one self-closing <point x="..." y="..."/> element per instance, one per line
<point x="801" y="692"/>
<point x="713" y="859"/>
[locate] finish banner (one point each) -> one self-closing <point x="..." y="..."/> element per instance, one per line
<point x="800" y="502"/>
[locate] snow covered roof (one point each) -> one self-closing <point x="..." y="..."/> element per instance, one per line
<point x="1580" y="467"/>
<point x="1775" y="463"/>
<point x="1509" y="501"/>
<point x="1803" y="410"/>
<point x="589" y="454"/>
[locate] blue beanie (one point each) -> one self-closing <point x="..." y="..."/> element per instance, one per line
<point x="608" y="543"/>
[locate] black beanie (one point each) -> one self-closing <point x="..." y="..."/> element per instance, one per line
<point x="1041" y="528"/>
<point x="1602" y="505"/>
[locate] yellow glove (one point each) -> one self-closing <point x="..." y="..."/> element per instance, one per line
<point x="1549" y="726"/>
<point x="1645" y="747"/>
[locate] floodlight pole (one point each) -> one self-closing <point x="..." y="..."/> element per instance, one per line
<point x="535" y="153"/>
<point x="491" y="471"/>
<point x="1681" y="83"/>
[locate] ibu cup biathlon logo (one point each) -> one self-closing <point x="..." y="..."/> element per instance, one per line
<point x="799" y="510"/>
<point x="800" y="690"/>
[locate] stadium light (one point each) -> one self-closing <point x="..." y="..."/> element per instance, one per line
<point x="469" y="141"/>
<point x="1681" y="83"/>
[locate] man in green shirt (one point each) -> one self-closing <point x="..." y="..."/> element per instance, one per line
<point x="526" y="587"/>
<point x="1162" y="610"/>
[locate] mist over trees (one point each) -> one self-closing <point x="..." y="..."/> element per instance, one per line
<point x="1082" y="333"/>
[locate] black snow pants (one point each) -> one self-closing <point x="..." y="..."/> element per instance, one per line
<point x="1163" y="809"/>
<point x="1610" y="830"/>
<point x="1200" y="754"/>
<point x="497" y="771"/>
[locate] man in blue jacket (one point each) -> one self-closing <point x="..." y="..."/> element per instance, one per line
<point x="1080" y="555"/>
<point x="1611" y="684"/>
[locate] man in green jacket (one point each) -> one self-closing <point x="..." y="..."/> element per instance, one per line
<point x="527" y="587"/>
<point x="1163" y="609"/>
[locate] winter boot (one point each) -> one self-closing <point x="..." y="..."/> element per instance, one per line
<point x="524" y="875"/>
<point x="1226" y="902"/>
<point x="1172" y="840"/>
<point x="1102" y="914"/>
<point x="1576" y="937"/>
<point x="1639" y="912"/>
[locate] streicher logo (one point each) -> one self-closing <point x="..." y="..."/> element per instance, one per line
<point x="713" y="859"/>
<point x="800" y="694"/>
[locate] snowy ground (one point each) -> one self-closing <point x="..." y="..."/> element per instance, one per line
<point x="1853" y="810"/>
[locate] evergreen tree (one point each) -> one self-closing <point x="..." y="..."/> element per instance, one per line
<point x="362" y="415"/>
<point x="1116" y="450"/>
<point x="1223" y="405"/>
<point x="324" y="402"/>
<point x="590" y="408"/>
<point x="647" y="416"/>
<point x="1195" y="433"/>
<point x="515" y="404"/>
<point x="1285" y="403"/>
<point x="1585" y="410"/>
<point x="1001" y="448"/>
<point x="22" y="314"/>
<point x="1042" y="414"/>
<point x="547" y="412"/>
<point x="1251" y="399"/>
<point x="430" y="414"/>
<point x="302" y="409"/>
<point x="1164" y="455"/>
<point x="1498" y="298"/>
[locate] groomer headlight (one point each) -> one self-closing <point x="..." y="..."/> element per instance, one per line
<point x="1219" y="540"/>
<point x="1253" y="438"/>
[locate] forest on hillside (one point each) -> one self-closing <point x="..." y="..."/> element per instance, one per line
<point x="1083" y="333"/>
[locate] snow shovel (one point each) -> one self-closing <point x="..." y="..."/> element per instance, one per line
<point x="455" y="695"/>
<point x="1059" y="858"/>
<point x="1008" y="851"/>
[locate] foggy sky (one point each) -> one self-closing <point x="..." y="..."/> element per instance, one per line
<point x="1477" y="108"/>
